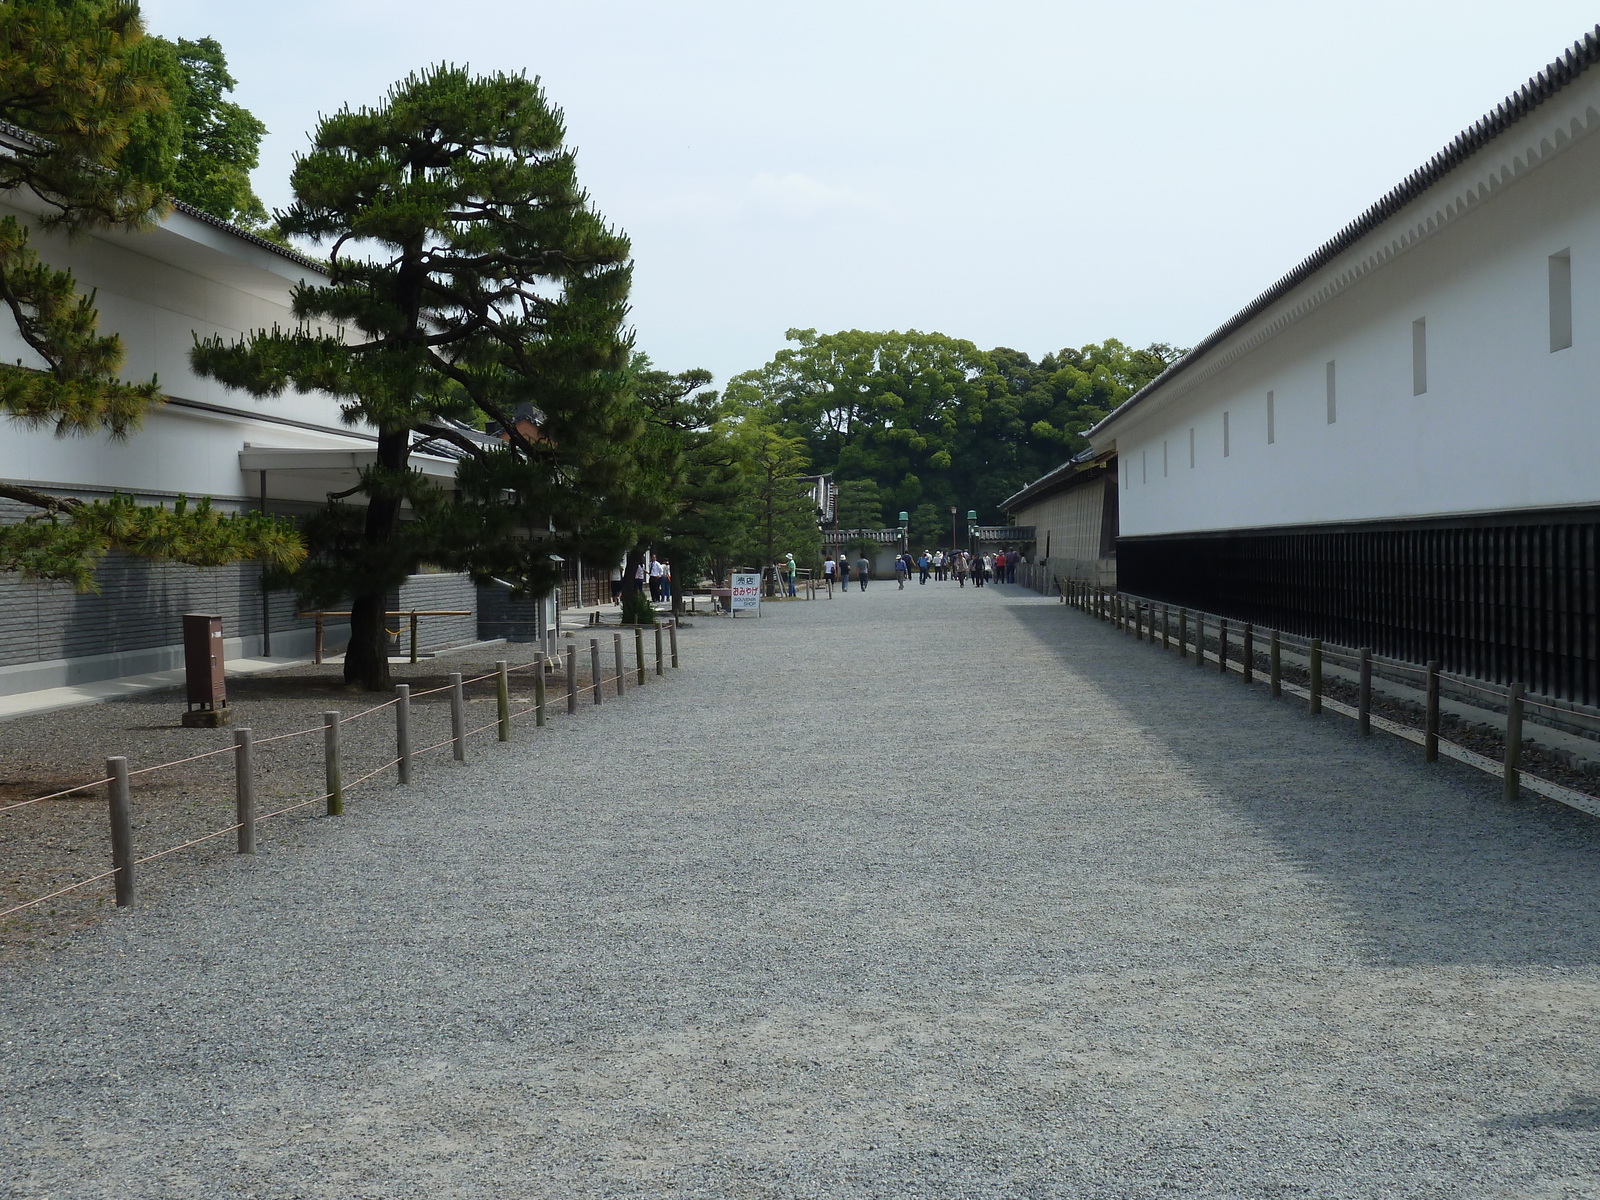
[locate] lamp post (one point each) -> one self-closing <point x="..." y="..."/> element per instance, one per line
<point x="972" y="519"/>
<point x="905" y="533"/>
<point x="952" y="529"/>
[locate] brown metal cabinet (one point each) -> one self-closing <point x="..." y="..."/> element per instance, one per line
<point x="202" y="659"/>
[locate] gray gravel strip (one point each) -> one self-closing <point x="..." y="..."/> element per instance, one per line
<point x="928" y="893"/>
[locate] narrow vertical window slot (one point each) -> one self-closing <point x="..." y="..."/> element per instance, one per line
<point x="1163" y="460"/>
<point x="1419" y="356"/>
<point x="1272" y="429"/>
<point x="1333" y="408"/>
<point x="1226" y="449"/>
<point x="1560" y="301"/>
<point x="1191" y="447"/>
<point x="1144" y="466"/>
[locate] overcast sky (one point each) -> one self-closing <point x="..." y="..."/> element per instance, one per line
<point x="1014" y="172"/>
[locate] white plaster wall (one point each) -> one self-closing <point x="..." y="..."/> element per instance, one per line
<point x="1505" y="423"/>
<point x="158" y="290"/>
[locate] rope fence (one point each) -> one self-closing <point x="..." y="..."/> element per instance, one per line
<point x="1238" y="647"/>
<point x="561" y="668"/>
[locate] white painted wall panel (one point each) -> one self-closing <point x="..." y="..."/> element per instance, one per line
<point x="1504" y="424"/>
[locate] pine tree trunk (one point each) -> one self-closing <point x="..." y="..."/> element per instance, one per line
<point x="366" y="661"/>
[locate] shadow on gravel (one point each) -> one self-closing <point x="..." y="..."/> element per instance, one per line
<point x="1581" y="1114"/>
<point x="1427" y="863"/>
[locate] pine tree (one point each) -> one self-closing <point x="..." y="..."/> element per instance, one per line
<point x="100" y="145"/>
<point x="473" y="283"/>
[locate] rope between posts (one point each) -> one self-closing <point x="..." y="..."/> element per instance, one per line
<point x="186" y="845"/>
<point x="302" y="804"/>
<point x="60" y="892"/>
<point x="522" y="712"/>
<point x="481" y="678"/>
<point x="367" y="711"/>
<point x="432" y="748"/>
<point x="377" y="771"/>
<point x="57" y="795"/>
<point x="180" y="761"/>
<point x="278" y="737"/>
<point x="432" y="691"/>
<point x="481" y="728"/>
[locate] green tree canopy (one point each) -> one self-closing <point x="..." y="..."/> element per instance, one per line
<point x="934" y="422"/>
<point x="469" y="281"/>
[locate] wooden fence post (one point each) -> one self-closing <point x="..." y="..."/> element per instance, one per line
<point x="1275" y="663"/>
<point x="413" y="635"/>
<point x="1199" y="638"/>
<point x="1364" y="697"/>
<point x="1314" y="669"/>
<point x="658" y="650"/>
<point x="594" y="669"/>
<point x="538" y="689"/>
<point x="502" y="687"/>
<point x="638" y="651"/>
<point x="1222" y="644"/>
<point x="332" y="765"/>
<point x="1183" y="633"/>
<point x="316" y="646"/>
<point x="1166" y="626"/>
<point x="616" y="653"/>
<point x="402" y="730"/>
<point x="244" y="789"/>
<point x="1513" y="740"/>
<point x="121" y="806"/>
<point x="1249" y="670"/>
<point x="1430" y="716"/>
<point x="571" y="653"/>
<point x="672" y="635"/>
<point x="458" y="718"/>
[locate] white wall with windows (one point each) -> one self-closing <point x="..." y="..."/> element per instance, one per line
<point x="1447" y="362"/>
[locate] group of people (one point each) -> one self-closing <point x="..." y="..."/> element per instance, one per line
<point x="999" y="567"/>
<point x="652" y="572"/>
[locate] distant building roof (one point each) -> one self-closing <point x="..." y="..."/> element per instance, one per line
<point x="1066" y="475"/>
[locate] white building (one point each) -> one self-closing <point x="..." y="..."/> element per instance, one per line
<point x="193" y="276"/>
<point x="1395" y="444"/>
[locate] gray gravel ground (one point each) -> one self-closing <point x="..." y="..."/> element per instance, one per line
<point x="929" y="893"/>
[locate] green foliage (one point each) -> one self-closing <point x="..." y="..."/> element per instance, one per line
<point x="932" y="421"/>
<point x="219" y="142"/>
<point x="475" y="284"/>
<point x="68" y="539"/>
<point x="776" y="512"/>
<point x="636" y="608"/>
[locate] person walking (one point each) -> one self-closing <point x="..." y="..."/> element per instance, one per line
<point x="961" y="569"/>
<point x="901" y="570"/>
<point x="863" y="571"/>
<point x="828" y="569"/>
<point x="655" y="578"/>
<point x="844" y="571"/>
<point x="789" y="570"/>
<point x="923" y="563"/>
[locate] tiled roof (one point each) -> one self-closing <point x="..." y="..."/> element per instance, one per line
<point x="1583" y="55"/>
<point x="17" y="133"/>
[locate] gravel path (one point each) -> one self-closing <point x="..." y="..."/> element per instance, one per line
<point x="927" y="893"/>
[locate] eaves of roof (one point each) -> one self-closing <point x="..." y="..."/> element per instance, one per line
<point x="1057" y="480"/>
<point x="19" y="134"/>
<point x="1583" y="55"/>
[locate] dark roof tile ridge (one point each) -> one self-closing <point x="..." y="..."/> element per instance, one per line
<point x="18" y="133"/>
